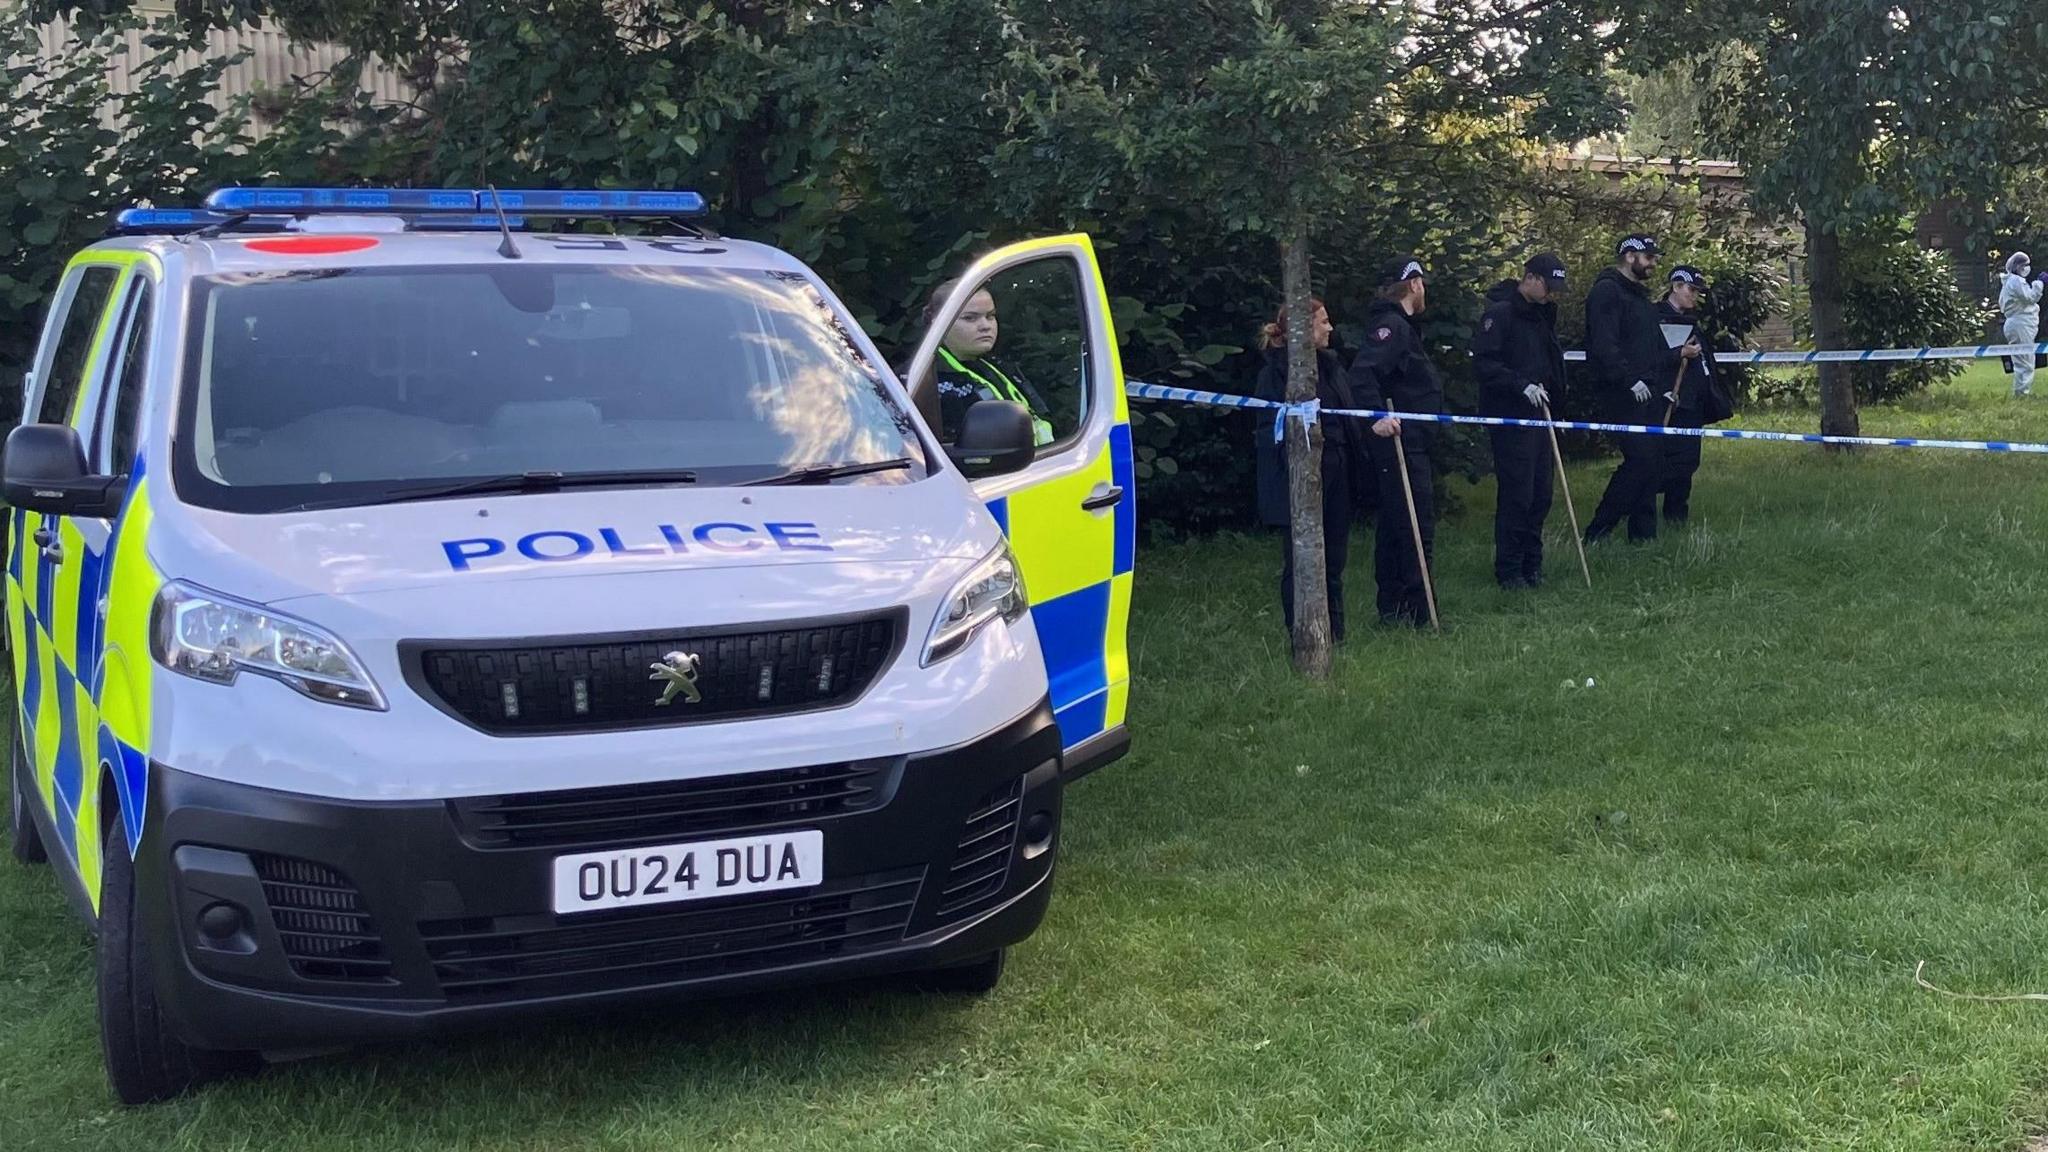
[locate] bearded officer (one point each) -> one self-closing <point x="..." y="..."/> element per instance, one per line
<point x="1625" y="349"/>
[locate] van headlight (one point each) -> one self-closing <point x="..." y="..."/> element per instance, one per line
<point x="992" y="590"/>
<point x="209" y="637"/>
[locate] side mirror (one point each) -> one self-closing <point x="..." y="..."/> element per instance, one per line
<point x="43" y="470"/>
<point x="996" y="438"/>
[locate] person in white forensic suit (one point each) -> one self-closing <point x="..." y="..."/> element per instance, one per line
<point x="2019" y="298"/>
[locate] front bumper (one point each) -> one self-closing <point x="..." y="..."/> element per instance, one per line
<point x="278" y="921"/>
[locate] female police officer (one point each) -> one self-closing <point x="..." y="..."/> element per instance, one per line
<point x="1344" y="466"/>
<point x="1697" y="398"/>
<point x="966" y="375"/>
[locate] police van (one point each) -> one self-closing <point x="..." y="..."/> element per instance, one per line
<point x="420" y="617"/>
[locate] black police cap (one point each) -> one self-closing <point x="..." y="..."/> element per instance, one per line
<point x="1399" y="269"/>
<point x="1638" y="242"/>
<point x="1547" y="266"/>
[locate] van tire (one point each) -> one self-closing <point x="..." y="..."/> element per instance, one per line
<point x="146" y="1061"/>
<point x="26" y="840"/>
<point x="973" y="978"/>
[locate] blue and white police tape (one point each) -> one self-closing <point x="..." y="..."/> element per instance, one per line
<point x="1305" y="412"/>
<point x="1870" y="355"/>
<point x="1311" y="410"/>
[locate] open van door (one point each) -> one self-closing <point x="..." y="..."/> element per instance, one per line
<point x="1029" y="323"/>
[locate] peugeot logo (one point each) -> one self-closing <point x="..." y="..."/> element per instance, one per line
<point x="677" y="673"/>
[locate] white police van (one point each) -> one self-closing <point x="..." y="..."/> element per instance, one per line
<point x="417" y="620"/>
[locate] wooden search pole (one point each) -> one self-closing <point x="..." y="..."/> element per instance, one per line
<point x="1564" y="482"/>
<point x="1415" y="527"/>
<point x="1677" y="382"/>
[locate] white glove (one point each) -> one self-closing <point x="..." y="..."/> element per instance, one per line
<point x="1537" y="396"/>
<point x="1671" y="396"/>
<point x="1641" y="392"/>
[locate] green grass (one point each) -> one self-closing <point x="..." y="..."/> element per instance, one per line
<point x="1455" y="899"/>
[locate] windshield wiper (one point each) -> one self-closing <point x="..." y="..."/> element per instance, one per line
<point x="512" y="482"/>
<point x="826" y="473"/>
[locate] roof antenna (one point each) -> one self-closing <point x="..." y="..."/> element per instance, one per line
<point x="506" y="247"/>
<point x="226" y="224"/>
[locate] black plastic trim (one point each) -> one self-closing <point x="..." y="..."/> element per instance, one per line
<point x="1098" y="751"/>
<point x="413" y="871"/>
<point x="411" y="664"/>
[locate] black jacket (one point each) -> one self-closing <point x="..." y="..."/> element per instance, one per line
<point x="1392" y="371"/>
<point x="1623" y="341"/>
<point x="1516" y="346"/>
<point x="1340" y="434"/>
<point x="1703" y="393"/>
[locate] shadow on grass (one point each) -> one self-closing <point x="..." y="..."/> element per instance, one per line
<point x="591" y="1073"/>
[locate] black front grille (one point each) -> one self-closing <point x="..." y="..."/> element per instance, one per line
<point x="981" y="864"/>
<point x="326" y="933"/>
<point x="483" y="958"/>
<point x="598" y="683"/>
<point x="716" y="807"/>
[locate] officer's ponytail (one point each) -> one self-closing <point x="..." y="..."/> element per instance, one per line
<point x="1274" y="335"/>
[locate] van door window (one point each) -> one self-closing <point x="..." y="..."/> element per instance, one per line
<point x="114" y="436"/>
<point x="1018" y="338"/>
<point x="74" y="343"/>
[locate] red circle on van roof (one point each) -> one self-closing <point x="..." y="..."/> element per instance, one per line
<point x="311" y="245"/>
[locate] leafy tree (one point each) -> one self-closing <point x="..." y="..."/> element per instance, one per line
<point x="1663" y="113"/>
<point x="1280" y="121"/>
<point x="1896" y="294"/>
<point x="73" y="153"/>
<point x="1856" y="112"/>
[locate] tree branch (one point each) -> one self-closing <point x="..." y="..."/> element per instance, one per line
<point x="1452" y="36"/>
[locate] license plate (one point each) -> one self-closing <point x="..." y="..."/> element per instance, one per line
<point x="630" y="877"/>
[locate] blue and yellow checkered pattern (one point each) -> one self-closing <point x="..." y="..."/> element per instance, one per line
<point x="1078" y="564"/>
<point x="80" y="631"/>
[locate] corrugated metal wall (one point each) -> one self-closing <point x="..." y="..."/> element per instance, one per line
<point x="274" y="61"/>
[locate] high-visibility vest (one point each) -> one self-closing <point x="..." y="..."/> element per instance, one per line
<point x="1041" y="430"/>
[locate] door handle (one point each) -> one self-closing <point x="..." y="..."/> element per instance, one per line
<point x="54" y="553"/>
<point x="1105" y="496"/>
<point x="44" y="536"/>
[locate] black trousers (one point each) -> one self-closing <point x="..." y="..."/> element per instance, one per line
<point x="1522" y="467"/>
<point x="1336" y="542"/>
<point x="1681" y="461"/>
<point x="1632" y="491"/>
<point x="1395" y="565"/>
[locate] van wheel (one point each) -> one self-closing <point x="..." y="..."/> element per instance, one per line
<point x="21" y="822"/>
<point x="146" y="1061"/>
<point x="974" y="978"/>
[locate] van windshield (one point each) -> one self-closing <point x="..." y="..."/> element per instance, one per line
<point x="356" y="386"/>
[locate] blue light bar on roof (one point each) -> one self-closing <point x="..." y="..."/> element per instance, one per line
<point x="168" y="218"/>
<point x="342" y="200"/>
<point x="410" y="201"/>
<point x="594" y="202"/>
<point x="173" y="221"/>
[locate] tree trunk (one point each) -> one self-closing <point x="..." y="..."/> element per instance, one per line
<point x="1830" y="328"/>
<point x="1304" y="453"/>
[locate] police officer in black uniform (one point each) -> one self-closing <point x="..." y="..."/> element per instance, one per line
<point x="1625" y="349"/>
<point x="1699" y="397"/>
<point x="1393" y="372"/>
<point x="1520" y="367"/>
<point x="1344" y="466"/>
